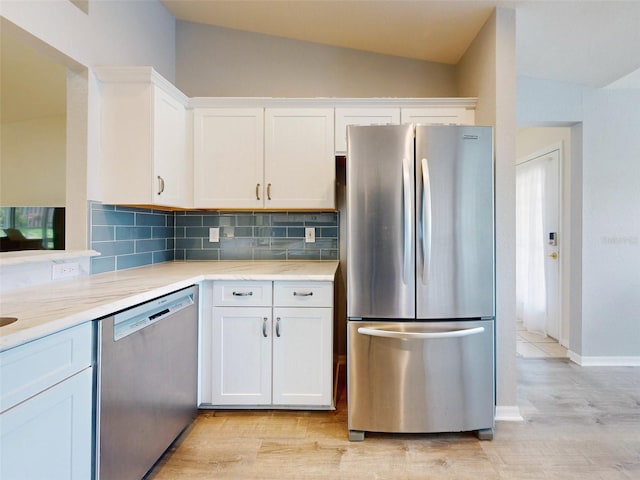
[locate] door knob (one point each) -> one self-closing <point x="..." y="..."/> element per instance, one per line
<point x="553" y="255"/>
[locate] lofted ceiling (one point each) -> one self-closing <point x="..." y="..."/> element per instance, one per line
<point x="587" y="42"/>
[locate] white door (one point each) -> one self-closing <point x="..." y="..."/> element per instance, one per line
<point x="538" y="243"/>
<point x="171" y="177"/>
<point x="49" y="435"/>
<point x="299" y="154"/>
<point x="228" y="158"/>
<point x="241" y="357"/>
<point x="302" y="349"/>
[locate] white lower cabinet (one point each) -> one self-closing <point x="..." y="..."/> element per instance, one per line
<point x="47" y="408"/>
<point x="241" y="370"/>
<point x="277" y="354"/>
<point x="302" y="352"/>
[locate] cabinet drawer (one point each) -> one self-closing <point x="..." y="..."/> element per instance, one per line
<point x="303" y="294"/>
<point x="241" y="293"/>
<point x="36" y="366"/>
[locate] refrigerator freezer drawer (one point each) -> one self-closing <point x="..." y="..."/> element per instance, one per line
<point x="420" y="377"/>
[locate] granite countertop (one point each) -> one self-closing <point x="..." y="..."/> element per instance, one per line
<point x="46" y="309"/>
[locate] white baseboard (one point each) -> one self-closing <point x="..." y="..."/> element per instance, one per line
<point x="508" y="413"/>
<point x="603" y="361"/>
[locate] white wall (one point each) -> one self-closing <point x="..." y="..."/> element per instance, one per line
<point x="611" y="224"/>
<point x="113" y="32"/>
<point x="605" y="201"/>
<point x="215" y="61"/>
<point x="487" y="71"/>
<point x="32" y="171"/>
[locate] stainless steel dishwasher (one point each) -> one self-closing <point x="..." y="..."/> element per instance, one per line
<point x="146" y="383"/>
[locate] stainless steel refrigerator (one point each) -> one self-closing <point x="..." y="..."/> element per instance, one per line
<point x="420" y="279"/>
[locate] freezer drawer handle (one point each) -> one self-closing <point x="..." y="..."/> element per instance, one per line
<point x="242" y="294"/>
<point x="374" y="332"/>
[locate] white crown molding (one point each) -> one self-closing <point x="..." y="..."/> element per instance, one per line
<point x="123" y="75"/>
<point x="331" y="102"/>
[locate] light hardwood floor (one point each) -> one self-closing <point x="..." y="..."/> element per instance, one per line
<point x="580" y="423"/>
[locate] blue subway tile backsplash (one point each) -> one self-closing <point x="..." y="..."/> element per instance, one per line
<point x="130" y="237"/>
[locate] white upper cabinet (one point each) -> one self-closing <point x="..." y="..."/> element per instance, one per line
<point x="299" y="158"/>
<point x="362" y="116"/>
<point x="228" y="158"/>
<point x="254" y="158"/>
<point x="438" y="115"/>
<point x="145" y="158"/>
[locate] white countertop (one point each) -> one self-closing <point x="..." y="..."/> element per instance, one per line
<point x="46" y="309"/>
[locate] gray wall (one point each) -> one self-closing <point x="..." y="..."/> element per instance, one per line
<point x="215" y="61"/>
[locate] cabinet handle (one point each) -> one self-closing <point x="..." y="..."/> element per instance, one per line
<point x="303" y="294"/>
<point x="264" y="327"/>
<point x="257" y="191"/>
<point x="268" y="191"/>
<point x="160" y="185"/>
<point x="242" y="294"/>
<point x="277" y="326"/>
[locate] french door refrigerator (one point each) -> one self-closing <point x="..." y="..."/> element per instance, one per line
<point x="420" y="279"/>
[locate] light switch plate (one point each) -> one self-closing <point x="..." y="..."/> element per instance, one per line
<point x="310" y="235"/>
<point x="214" y="235"/>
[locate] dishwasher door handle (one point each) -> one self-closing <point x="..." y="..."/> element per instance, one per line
<point x="374" y="332"/>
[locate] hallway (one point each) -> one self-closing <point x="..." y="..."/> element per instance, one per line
<point x="533" y="345"/>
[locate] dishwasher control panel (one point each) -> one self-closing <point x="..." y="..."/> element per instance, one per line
<point x="145" y="315"/>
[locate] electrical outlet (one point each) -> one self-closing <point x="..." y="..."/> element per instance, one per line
<point x="214" y="235"/>
<point x="65" y="270"/>
<point x="310" y="235"/>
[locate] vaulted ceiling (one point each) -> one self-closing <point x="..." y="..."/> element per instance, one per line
<point x="588" y="42"/>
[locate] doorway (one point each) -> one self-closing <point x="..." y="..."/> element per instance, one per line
<point x="538" y="254"/>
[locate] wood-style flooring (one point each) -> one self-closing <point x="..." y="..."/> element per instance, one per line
<point x="580" y="423"/>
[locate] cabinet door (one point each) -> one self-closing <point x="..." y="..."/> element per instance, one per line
<point x="299" y="158"/>
<point x="49" y="435"/>
<point x="438" y="115"/>
<point x="362" y="116"/>
<point x="171" y="173"/>
<point x="241" y="357"/>
<point x="228" y="156"/>
<point x="302" y="356"/>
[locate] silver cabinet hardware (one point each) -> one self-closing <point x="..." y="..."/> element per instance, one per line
<point x="264" y="327"/>
<point x="268" y="191"/>
<point x="277" y="326"/>
<point x="257" y="191"/>
<point x="242" y="294"/>
<point x="302" y="294"/>
<point x="160" y="185"/>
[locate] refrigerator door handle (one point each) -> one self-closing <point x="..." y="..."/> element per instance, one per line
<point x="374" y="332"/>
<point x="407" y="207"/>
<point x="426" y="219"/>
